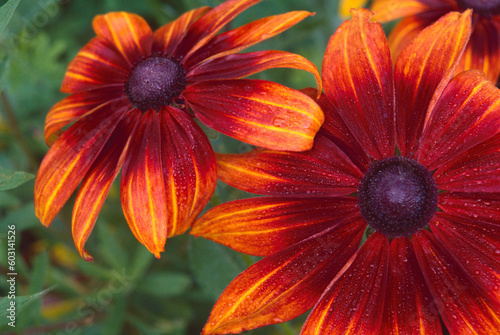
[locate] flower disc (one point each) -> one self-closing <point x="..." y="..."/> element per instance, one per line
<point x="482" y="7"/>
<point x="397" y="196"/>
<point x="155" y="82"/>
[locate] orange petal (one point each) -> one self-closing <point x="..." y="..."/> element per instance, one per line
<point x="189" y="169"/>
<point x="128" y="33"/>
<point x="242" y="65"/>
<point x="357" y="78"/>
<point x="76" y="105"/>
<point x="389" y="10"/>
<point x="70" y="157"/>
<point x="97" y="182"/>
<point x="284" y="285"/>
<point x="243" y="37"/>
<point x="96" y="65"/>
<point x="209" y="25"/>
<point x="322" y="171"/>
<point x="409" y="306"/>
<point x="257" y="112"/>
<point x="352" y="303"/>
<point x="466" y="114"/>
<point x="266" y="225"/>
<point x="423" y="70"/>
<point x="483" y="51"/>
<point x="167" y="37"/>
<point x="463" y="307"/>
<point x="143" y="193"/>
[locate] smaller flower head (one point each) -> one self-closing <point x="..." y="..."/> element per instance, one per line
<point x="391" y="223"/>
<point x="482" y="52"/>
<point x="134" y="94"/>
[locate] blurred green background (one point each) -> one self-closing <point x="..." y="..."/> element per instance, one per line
<point x="126" y="290"/>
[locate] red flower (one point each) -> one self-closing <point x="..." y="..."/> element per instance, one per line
<point x="482" y="52"/>
<point x="408" y="157"/>
<point x="130" y="92"/>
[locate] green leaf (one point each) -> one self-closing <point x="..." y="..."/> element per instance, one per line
<point x="6" y="12"/>
<point x="19" y="302"/>
<point x="164" y="284"/>
<point x="214" y="265"/>
<point x="12" y="179"/>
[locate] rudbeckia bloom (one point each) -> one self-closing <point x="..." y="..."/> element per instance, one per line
<point x="408" y="158"/>
<point x="134" y="96"/>
<point x="482" y="52"/>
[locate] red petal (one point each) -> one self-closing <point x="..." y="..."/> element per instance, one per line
<point x="322" y="171"/>
<point x="466" y="114"/>
<point x="242" y="65"/>
<point x="478" y="206"/>
<point x="476" y="170"/>
<point x="128" y="33"/>
<point x="409" y="307"/>
<point x="168" y="37"/>
<point x="423" y="70"/>
<point x="258" y="112"/>
<point x="243" y="37"/>
<point x="476" y="245"/>
<point x="483" y="50"/>
<point x="335" y="129"/>
<point x="97" y="182"/>
<point x="357" y="78"/>
<point x="76" y="105"/>
<point x="189" y="169"/>
<point x="284" y="285"/>
<point x="353" y="302"/>
<point x="70" y="157"/>
<point x="266" y="225"/>
<point x="209" y="25"/>
<point x="389" y="10"/>
<point x="143" y="193"/>
<point x="96" y="65"/>
<point x="462" y="306"/>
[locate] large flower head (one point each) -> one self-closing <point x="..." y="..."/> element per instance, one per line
<point x="392" y="221"/>
<point x="482" y="52"/>
<point x="134" y="93"/>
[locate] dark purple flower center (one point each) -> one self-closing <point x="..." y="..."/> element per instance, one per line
<point x="155" y="82"/>
<point x="482" y="7"/>
<point x="397" y="196"/>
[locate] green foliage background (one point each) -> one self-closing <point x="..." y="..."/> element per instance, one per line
<point x="126" y="290"/>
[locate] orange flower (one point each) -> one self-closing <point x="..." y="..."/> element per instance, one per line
<point x="482" y="52"/>
<point x="131" y="95"/>
<point x="408" y="158"/>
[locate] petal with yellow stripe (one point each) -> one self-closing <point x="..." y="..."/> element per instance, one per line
<point x="69" y="159"/>
<point x="245" y="36"/>
<point x="98" y="180"/>
<point x="422" y="71"/>
<point x="288" y="173"/>
<point x="242" y="65"/>
<point x="358" y="80"/>
<point x="129" y="33"/>
<point x="286" y="284"/>
<point x="409" y="307"/>
<point x="167" y="37"/>
<point x="257" y="112"/>
<point x="464" y="308"/>
<point x="143" y="193"/>
<point x="96" y="65"/>
<point x="266" y="225"/>
<point x="466" y="114"/>
<point x="189" y="168"/>
<point x="352" y="303"/>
